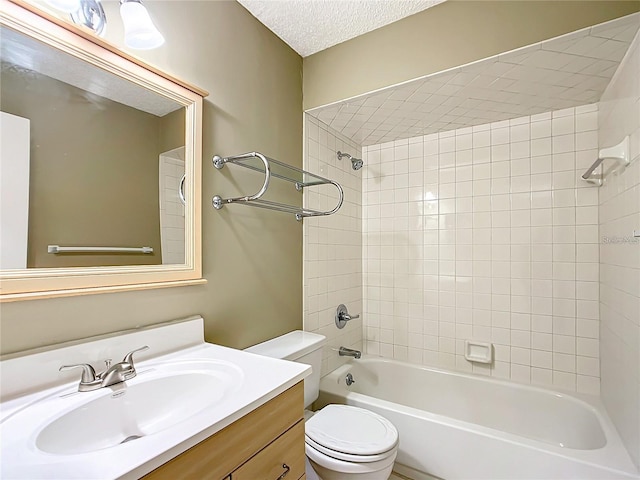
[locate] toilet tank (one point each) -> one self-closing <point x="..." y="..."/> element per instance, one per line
<point x="301" y="347"/>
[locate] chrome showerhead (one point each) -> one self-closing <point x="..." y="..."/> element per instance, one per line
<point x="356" y="163"/>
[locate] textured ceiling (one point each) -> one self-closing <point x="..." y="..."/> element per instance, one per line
<point x="559" y="73"/>
<point x="309" y="26"/>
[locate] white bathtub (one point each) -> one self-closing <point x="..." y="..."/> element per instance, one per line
<point x="457" y="426"/>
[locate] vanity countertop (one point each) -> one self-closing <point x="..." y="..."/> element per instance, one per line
<point x="256" y="380"/>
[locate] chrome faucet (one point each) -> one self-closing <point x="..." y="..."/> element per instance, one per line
<point x="118" y="373"/>
<point x="347" y="352"/>
<point x="342" y="316"/>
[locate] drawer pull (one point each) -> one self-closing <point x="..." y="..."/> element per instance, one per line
<point x="286" y="471"/>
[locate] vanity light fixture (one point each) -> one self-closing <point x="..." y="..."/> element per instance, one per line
<point x="90" y="14"/>
<point x="139" y="30"/>
<point x="67" y="6"/>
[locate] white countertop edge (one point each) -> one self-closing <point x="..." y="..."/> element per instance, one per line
<point x="213" y="429"/>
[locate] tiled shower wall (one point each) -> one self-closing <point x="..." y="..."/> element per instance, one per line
<point x="620" y="255"/>
<point x="171" y="209"/>
<point x="332" y="244"/>
<point x="487" y="233"/>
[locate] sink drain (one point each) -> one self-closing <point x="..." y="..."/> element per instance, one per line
<point x="130" y="438"/>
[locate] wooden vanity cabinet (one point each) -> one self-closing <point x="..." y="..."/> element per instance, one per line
<point x="267" y="443"/>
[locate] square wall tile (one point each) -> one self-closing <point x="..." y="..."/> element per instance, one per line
<point x="501" y="258"/>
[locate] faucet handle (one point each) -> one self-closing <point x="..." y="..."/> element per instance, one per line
<point x="342" y="316"/>
<point x="107" y="366"/>
<point x="88" y="373"/>
<point x="128" y="358"/>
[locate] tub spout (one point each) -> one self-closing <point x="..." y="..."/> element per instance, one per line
<point x="347" y="352"/>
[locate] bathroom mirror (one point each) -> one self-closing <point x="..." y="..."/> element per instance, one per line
<point x="100" y="158"/>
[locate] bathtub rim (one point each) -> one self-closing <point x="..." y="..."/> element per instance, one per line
<point x="613" y="456"/>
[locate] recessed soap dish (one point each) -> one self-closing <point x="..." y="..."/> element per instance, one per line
<point x="479" y="352"/>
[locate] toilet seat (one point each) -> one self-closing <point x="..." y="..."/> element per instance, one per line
<point x="351" y="434"/>
<point x="310" y="444"/>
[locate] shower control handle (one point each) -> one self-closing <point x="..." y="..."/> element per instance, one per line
<point x="342" y="316"/>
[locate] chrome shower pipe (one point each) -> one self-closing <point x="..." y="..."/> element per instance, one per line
<point x="356" y="163"/>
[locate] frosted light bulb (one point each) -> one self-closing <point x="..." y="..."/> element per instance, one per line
<point x="139" y="30"/>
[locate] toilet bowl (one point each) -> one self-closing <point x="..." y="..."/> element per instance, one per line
<point x="342" y="442"/>
<point x="345" y="442"/>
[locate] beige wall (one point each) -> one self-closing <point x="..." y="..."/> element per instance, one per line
<point x="252" y="257"/>
<point x="92" y="160"/>
<point x="172" y="130"/>
<point x="448" y="35"/>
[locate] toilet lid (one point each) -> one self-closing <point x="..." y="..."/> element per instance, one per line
<point x="351" y="430"/>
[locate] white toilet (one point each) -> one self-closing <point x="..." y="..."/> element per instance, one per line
<point x="341" y="442"/>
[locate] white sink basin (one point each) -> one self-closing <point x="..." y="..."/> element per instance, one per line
<point x="187" y="392"/>
<point x="160" y="397"/>
<point x="132" y="412"/>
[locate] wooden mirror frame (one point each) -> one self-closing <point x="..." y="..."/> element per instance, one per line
<point x="37" y="283"/>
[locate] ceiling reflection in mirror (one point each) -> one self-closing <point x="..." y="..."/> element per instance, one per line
<point x="88" y="159"/>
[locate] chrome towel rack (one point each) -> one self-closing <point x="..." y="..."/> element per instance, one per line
<point x="59" y="249"/>
<point x="273" y="168"/>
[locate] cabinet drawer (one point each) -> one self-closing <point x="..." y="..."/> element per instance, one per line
<point x="283" y="455"/>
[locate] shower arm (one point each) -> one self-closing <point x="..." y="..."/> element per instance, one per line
<point x="341" y="154"/>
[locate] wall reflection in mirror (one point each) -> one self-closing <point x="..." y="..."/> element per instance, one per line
<point x="87" y="159"/>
